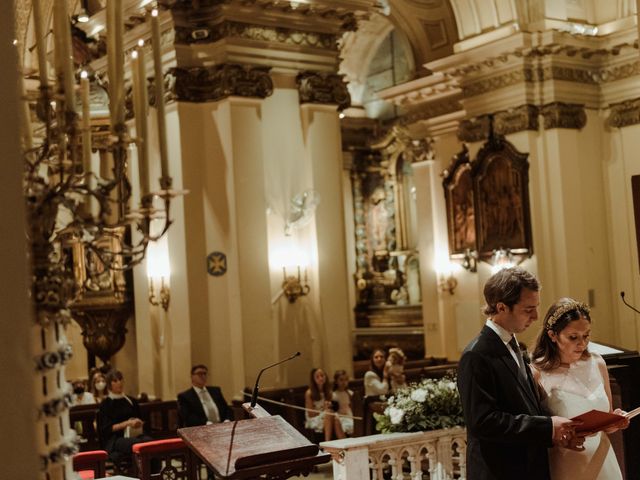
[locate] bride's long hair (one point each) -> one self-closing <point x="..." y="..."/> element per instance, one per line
<point x="546" y="355"/>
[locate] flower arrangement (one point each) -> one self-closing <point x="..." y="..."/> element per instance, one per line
<point x="430" y="404"/>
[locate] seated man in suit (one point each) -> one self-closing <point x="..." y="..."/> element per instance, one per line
<point x="202" y="405"/>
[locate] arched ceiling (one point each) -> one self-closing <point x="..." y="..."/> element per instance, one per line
<point x="429" y="26"/>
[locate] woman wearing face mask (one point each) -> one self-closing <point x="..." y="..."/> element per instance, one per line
<point x="80" y="396"/>
<point x="98" y="386"/>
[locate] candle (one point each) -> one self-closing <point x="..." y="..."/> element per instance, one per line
<point x="63" y="31"/>
<point x="41" y="43"/>
<point x="115" y="54"/>
<point x="159" y="84"/>
<point x="27" y="134"/>
<point x="140" y="107"/>
<point x="86" y="123"/>
<point x="119" y="52"/>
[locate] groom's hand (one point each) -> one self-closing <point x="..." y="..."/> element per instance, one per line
<point x="575" y="443"/>
<point x="563" y="430"/>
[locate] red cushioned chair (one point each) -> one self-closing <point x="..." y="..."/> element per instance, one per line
<point x="90" y="464"/>
<point x="167" y="458"/>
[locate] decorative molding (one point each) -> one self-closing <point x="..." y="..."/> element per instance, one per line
<point x="491" y="84"/>
<point x="199" y="34"/>
<point x="624" y="114"/>
<point x="206" y="84"/>
<point x="474" y="130"/>
<point x="343" y="17"/>
<point x="558" y="50"/>
<point x="431" y="110"/>
<point x="563" y="115"/>
<point x="524" y="117"/>
<point x="325" y="88"/>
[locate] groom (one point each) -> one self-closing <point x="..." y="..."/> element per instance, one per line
<point x="508" y="432"/>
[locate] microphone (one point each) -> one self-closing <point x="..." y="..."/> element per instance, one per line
<point x="628" y="305"/>
<point x="254" y="395"/>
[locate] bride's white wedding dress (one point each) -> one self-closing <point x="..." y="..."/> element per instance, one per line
<point x="572" y="391"/>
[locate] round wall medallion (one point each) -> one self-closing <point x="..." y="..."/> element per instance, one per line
<point x="217" y="264"/>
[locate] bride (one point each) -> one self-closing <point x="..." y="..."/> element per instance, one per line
<point x="575" y="381"/>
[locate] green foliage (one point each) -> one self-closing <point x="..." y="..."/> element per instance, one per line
<point x="431" y="404"/>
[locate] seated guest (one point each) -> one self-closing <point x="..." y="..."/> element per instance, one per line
<point x="202" y="404"/>
<point x="80" y="396"/>
<point x="97" y="385"/>
<point x="317" y="401"/>
<point x="341" y="404"/>
<point x="119" y="424"/>
<point x="394" y="367"/>
<point x="376" y="380"/>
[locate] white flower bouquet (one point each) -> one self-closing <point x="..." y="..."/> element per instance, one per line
<point x="430" y="404"/>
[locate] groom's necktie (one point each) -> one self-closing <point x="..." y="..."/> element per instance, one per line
<point x="513" y="343"/>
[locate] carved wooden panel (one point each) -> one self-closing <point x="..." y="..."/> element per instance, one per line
<point x="487" y="201"/>
<point x="460" y="204"/>
<point x="501" y="179"/>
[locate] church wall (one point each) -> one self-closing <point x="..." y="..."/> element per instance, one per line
<point x="321" y="133"/>
<point x="231" y="154"/>
<point x="619" y="164"/>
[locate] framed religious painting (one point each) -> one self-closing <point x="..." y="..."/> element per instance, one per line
<point x="460" y="205"/>
<point x="501" y="190"/>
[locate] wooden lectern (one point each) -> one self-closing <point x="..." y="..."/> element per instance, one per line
<point x="262" y="447"/>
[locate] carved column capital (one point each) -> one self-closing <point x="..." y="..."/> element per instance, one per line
<point x="206" y="84"/>
<point x="624" y="113"/>
<point x="327" y="88"/>
<point x="524" y="117"/>
<point x="563" y="115"/>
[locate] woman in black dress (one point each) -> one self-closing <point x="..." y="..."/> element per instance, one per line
<point x="119" y="423"/>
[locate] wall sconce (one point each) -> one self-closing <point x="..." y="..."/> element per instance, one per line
<point x="445" y="269"/>
<point x="501" y="258"/>
<point x="158" y="272"/>
<point x="447" y="283"/>
<point x="470" y="260"/>
<point x="163" y="297"/>
<point x="292" y="285"/>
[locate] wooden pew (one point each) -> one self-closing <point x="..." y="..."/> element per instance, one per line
<point x="160" y="418"/>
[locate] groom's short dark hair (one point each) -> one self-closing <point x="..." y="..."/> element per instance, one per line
<point x="505" y="286"/>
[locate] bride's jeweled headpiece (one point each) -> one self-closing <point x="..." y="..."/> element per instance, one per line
<point x="583" y="308"/>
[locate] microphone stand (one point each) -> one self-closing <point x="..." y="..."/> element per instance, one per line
<point x="627" y="304"/>
<point x="254" y="395"/>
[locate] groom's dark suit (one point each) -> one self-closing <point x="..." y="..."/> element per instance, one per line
<point x="191" y="412"/>
<point x="507" y="431"/>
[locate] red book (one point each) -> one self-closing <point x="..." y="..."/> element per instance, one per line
<point x="596" y="421"/>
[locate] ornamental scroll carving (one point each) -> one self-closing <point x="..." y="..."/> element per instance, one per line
<point x="201" y="34"/>
<point x="487" y="200"/>
<point x="563" y="115"/>
<point x="624" y="114"/>
<point x="323" y="88"/>
<point x="524" y="117"/>
<point x="206" y="84"/>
